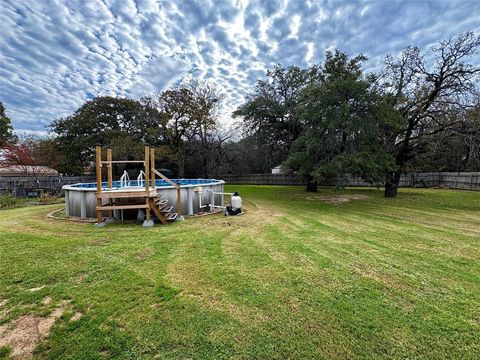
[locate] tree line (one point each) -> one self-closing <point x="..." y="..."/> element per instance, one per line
<point x="182" y="123"/>
<point x="420" y="112"/>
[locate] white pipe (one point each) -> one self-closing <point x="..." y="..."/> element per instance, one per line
<point x="212" y="204"/>
<point x="219" y="193"/>
<point x="200" y="200"/>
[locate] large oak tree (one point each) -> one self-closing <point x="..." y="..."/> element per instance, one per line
<point x="344" y="115"/>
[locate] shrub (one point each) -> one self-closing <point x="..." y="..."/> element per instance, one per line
<point x="47" y="198"/>
<point x="10" y="201"/>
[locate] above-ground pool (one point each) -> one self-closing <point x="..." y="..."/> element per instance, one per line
<point x="80" y="199"/>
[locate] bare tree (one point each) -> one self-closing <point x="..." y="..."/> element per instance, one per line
<point x="207" y="104"/>
<point x="427" y="98"/>
<point x="187" y="116"/>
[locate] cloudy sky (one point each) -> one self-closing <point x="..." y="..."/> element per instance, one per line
<point x="54" y="55"/>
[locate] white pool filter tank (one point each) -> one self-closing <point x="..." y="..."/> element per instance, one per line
<point x="235" y="207"/>
<point x="236" y="201"/>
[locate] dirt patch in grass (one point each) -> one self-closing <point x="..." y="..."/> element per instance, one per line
<point x="225" y="224"/>
<point x="205" y="213"/>
<point x="76" y="316"/>
<point x="23" y="334"/>
<point x="80" y="278"/>
<point x="104" y="352"/>
<point x="338" y="199"/>
<point x="47" y="300"/>
<point x="144" y="254"/>
<point x="57" y="214"/>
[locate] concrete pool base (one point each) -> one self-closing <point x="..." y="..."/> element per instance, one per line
<point x="148" y="223"/>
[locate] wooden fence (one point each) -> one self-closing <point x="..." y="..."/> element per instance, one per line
<point x="452" y="180"/>
<point x="33" y="185"/>
<point x="263" y="179"/>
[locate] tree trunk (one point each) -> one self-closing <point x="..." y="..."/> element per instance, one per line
<point x="205" y="173"/>
<point x="312" y="185"/>
<point x="181" y="168"/>
<point x="391" y="184"/>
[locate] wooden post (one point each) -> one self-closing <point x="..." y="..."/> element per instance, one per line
<point x="109" y="167"/>
<point x="152" y="166"/>
<point x="98" y="153"/>
<point x="147" y="179"/>
<point x="109" y="176"/>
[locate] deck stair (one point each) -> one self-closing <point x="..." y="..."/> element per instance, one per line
<point x="160" y="202"/>
<point x="167" y="210"/>
<point x="172" y="217"/>
<point x="161" y="208"/>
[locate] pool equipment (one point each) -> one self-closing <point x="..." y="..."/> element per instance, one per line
<point x="235" y="207"/>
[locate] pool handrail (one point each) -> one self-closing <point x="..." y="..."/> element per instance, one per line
<point x="124" y="179"/>
<point x="140" y="178"/>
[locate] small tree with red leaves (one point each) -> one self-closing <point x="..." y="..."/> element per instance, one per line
<point x="30" y="156"/>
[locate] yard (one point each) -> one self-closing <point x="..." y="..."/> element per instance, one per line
<point x="337" y="274"/>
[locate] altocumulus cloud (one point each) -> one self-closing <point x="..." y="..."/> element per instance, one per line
<point x="56" y="54"/>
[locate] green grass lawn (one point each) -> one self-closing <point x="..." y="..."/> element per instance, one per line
<point x="337" y="274"/>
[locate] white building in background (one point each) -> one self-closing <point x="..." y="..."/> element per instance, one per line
<point x="277" y="169"/>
